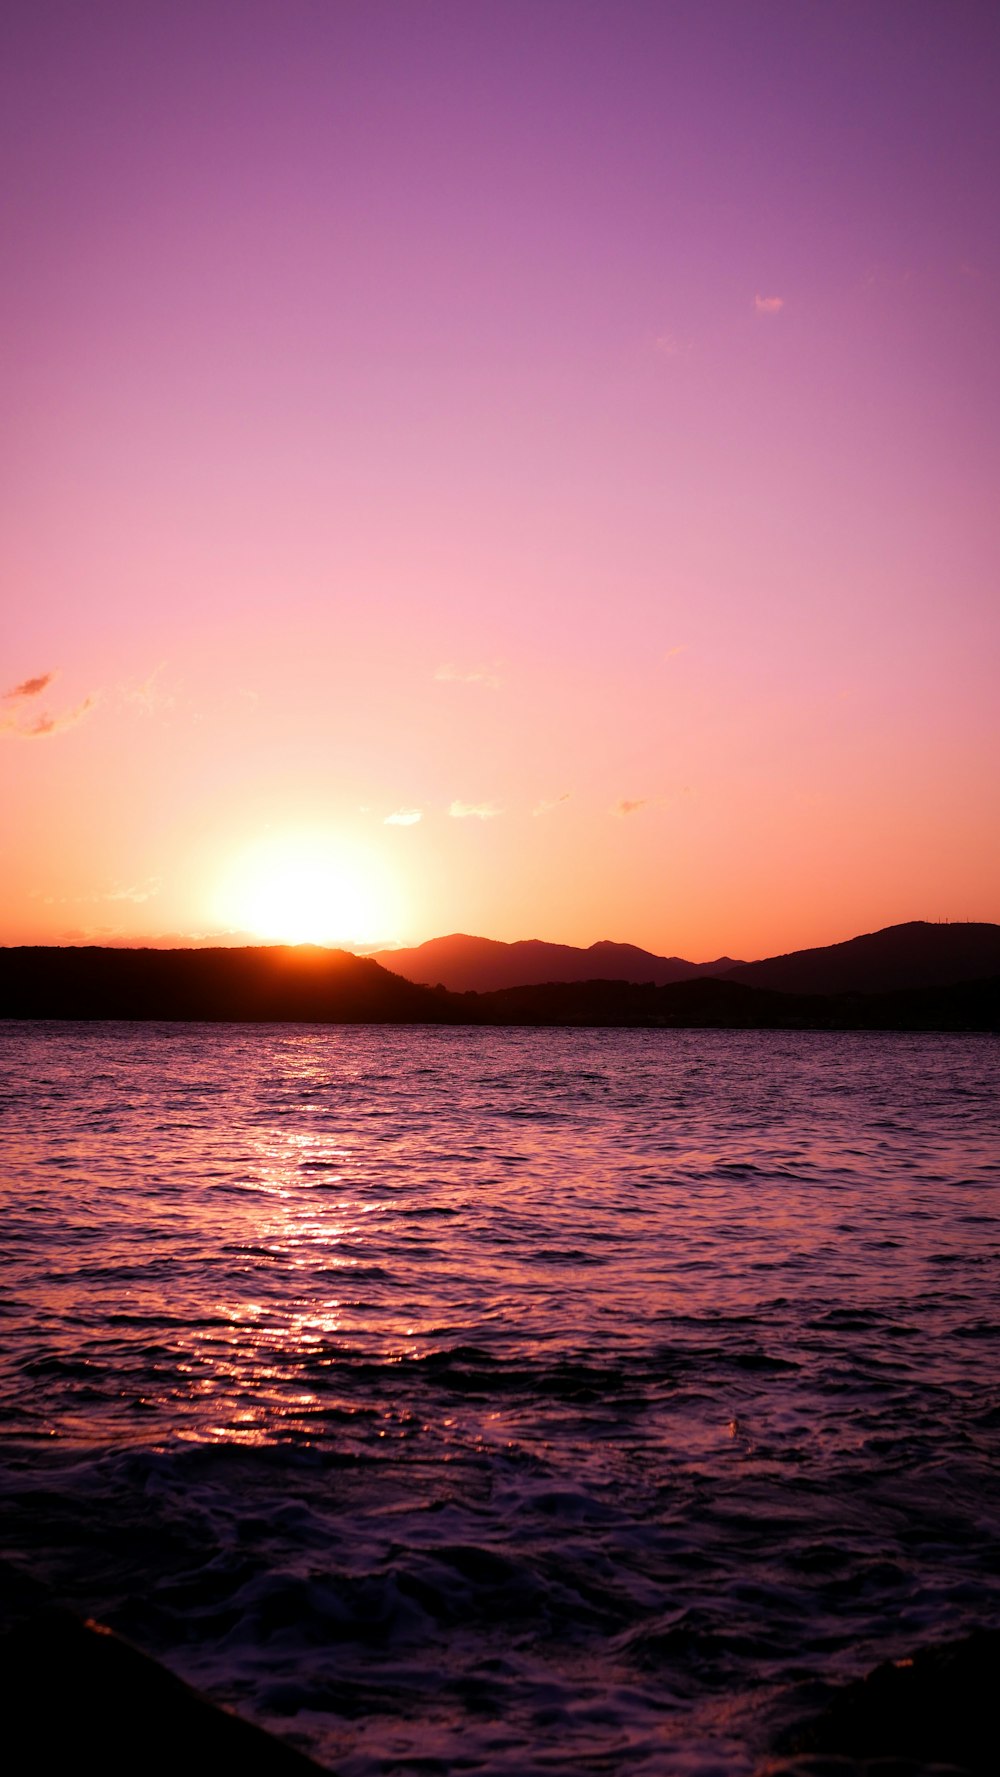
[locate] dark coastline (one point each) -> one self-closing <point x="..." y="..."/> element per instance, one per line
<point x="275" y="984"/>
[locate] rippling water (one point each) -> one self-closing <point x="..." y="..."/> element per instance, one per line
<point x="513" y="1400"/>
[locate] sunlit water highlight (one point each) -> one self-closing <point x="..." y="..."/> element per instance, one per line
<point x="512" y="1400"/>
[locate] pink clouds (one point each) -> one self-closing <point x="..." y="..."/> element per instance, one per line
<point x="28" y="687"/>
<point x="43" y="725"/>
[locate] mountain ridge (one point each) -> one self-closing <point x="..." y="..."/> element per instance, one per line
<point x="256" y="983"/>
<point x="912" y="954"/>
<point x="308" y="985"/>
<point x="915" y="954"/>
<point x="464" y="963"/>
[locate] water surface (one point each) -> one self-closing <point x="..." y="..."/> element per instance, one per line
<point x="504" y="1401"/>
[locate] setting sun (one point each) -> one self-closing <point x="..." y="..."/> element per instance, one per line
<point x="500" y="899"/>
<point x="308" y="889"/>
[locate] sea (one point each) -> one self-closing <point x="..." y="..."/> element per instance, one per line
<point x="504" y="1401"/>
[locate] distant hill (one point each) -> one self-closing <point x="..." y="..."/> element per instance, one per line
<point x="267" y="983"/>
<point x="915" y="955"/>
<point x="484" y="965"/>
<point x="277" y="984"/>
<point x="710" y="1003"/>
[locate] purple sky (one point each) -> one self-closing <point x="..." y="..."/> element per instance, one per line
<point x="581" y="415"/>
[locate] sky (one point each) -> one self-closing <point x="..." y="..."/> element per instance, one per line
<point x="517" y="468"/>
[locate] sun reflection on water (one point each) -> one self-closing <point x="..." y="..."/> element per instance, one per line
<point x="605" y="1332"/>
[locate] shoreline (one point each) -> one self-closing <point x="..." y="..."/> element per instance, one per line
<point x="77" y="1690"/>
<point x="278" y="985"/>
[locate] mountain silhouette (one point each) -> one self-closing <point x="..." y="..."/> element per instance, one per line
<point x="485" y="965"/>
<point x="915" y="955"/>
<point x="918" y="954"/>
<point x="267" y="983"/>
<point x="711" y="1003"/>
<point x="913" y="977"/>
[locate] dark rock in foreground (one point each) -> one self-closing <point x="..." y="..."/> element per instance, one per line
<point x="77" y="1698"/>
<point x="937" y="1710"/>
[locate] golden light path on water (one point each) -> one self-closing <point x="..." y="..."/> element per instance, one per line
<point x="403" y="1381"/>
<point x="305" y="1233"/>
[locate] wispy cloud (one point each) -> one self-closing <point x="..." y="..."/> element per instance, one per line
<point x="886" y="277"/>
<point x="672" y="653"/>
<point x="404" y="817"/>
<point x="630" y="805"/>
<point x="138" y="891"/>
<point x="473" y="811"/>
<point x="478" y="675"/>
<point x="45" y="725"/>
<point x="114" y="938"/>
<point x="768" y="305"/>
<point x="548" y="803"/>
<point x="28" y="687"/>
<point x="667" y="345"/>
<point x="149" y="697"/>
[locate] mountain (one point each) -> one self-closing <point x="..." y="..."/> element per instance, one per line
<point x="711" y="1003"/>
<point x="268" y="983"/>
<point x="915" y="955"/>
<point x="484" y="965"/>
<point x="278" y="984"/>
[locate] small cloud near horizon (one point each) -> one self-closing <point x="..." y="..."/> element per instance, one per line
<point x="228" y="938"/>
<point x="456" y="675"/>
<point x="404" y="817"/>
<point x="629" y="805"/>
<point x="473" y="811"/>
<point x="137" y="892"/>
<point x="768" y="305"/>
<point x="548" y="803"/>
<point x="29" y="687"/>
<point x="45" y="725"/>
<point x="113" y="938"/>
<point x="149" y="697"/>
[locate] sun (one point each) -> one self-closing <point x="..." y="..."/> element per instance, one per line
<point x="308" y="889"/>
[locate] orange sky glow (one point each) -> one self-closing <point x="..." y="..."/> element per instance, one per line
<point x="491" y="476"/>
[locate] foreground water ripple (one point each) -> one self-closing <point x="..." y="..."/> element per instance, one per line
<point x="512" y="1400"/>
